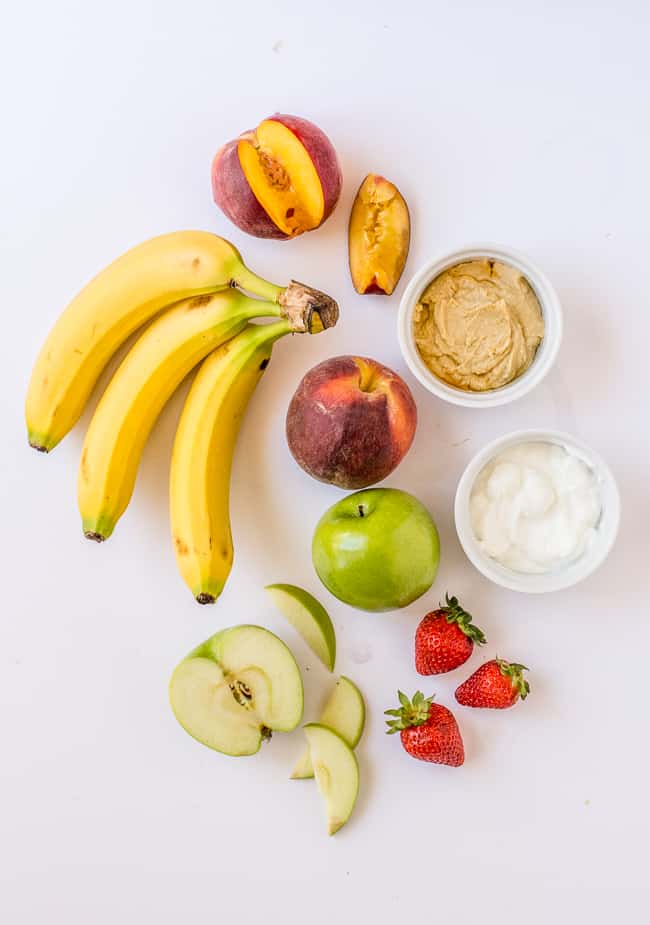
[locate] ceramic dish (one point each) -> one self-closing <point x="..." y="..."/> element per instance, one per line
<point x="594" y="555"/>
<point x="546" y="353"/>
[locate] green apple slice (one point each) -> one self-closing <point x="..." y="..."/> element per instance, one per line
<point x="336" y="771"/>
<point x="309" y="617"/>
<point x="345" y="713"/>
<point x="233" y="690"/>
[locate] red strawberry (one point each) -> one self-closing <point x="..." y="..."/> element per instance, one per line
<point x="445" y="638"/>
<point x="427" y="730"/>
<point x="497" y="684"/>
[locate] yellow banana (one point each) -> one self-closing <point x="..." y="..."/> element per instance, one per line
<point x="129" y="292"/>
<point x="199" y="486"/>
<point x="156" y="364"/>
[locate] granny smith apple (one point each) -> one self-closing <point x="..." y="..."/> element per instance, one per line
<point x="336" y="771"/>
<point x="309" y="617"/>
<point x="237" y="687"/>
<point x="344" y="713"/>
<point x="376" y="549"/>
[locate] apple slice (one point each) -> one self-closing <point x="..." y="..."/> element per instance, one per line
<point x="344" y="713"/>
<point x="337" y="773"/>
<point x="309" y="617"/>
<point x="237" y="687"/>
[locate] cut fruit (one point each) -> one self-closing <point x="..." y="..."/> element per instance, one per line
<point x="336" y="771"/>
<point x="345" y="714"/>
<point x="278" y="180"/>
<point x="378" y="236"/>
<point x="233" y="690"/>
<point x="282" y="177"/>
<point x="309" y="617"/>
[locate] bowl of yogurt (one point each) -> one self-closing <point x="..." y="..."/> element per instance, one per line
<point x="537" y="511"/>
<point x="480" y="326"/>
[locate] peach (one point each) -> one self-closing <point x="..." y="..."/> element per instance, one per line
<point x="378" y="236"/>
<point x="278" y="180"/>
<point x="350" y="421"/>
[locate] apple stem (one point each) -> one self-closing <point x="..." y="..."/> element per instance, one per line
<point x="361" y="510"/>
<point x="266" y="733"/>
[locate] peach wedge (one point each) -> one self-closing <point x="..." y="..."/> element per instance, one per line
<point x="378" y="237"/>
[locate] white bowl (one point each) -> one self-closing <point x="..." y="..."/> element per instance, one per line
<point x="546" y="352"/>
<point x="571" y="574"/>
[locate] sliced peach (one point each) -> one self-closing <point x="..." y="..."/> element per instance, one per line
<point x="234" y="197"/>
<point x="378" y="236"/>
<point x="282" y="177"/>
<point x="322" y="153"/>
<point x="279" y="180"/>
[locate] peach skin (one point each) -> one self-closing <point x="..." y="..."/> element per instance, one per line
<point x="278" y="180"/>
<point x="350" y="421"/>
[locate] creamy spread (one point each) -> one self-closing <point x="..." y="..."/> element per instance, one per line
<point x="534" y="508"/>
<point x="478" y="325"/>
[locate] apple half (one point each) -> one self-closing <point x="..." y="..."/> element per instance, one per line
<point x="309" y="617"/>
<point x="336" y="771"/>
<point x="236" y="688"/>
<point x="344" y="713"/>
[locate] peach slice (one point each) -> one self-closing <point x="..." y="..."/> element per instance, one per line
<point x="278" y="180"/>
<point x="378" y="236"/>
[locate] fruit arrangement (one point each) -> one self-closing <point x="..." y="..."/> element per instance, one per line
<point x="195" y="305"/>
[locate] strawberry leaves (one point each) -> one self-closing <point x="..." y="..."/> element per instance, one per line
<point x="514" y="672"/>
<point x="410" y="713"/>
<point x="453" y="612"/>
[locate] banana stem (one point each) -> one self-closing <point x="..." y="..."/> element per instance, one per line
<point x="250" y="282"/>
<point x="308" y="310"/>
<point x="269" y="333"/>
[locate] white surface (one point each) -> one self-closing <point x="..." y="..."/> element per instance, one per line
<point x="545" y="355"/>
<point x="557" y="579"/>
<point x="517" y="122"/>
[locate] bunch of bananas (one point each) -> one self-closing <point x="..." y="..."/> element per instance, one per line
<point x="190" y="288"/>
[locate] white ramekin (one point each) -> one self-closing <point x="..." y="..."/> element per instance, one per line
<point x="596" y="552"/>
<point x="546" y="353"/>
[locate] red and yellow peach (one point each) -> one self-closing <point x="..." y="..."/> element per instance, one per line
<point x="278" y="180"/>
<point x="350" y="421"/>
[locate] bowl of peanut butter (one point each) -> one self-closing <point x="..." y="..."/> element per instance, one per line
<point x="480" y="326"/>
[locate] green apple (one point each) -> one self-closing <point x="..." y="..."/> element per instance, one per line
<point x="337" y="773"/>
<point x="233" y="690"/>
<point x="345" y="713"/>
<point x="376" y="549"/>
<point x="309" y="617"/>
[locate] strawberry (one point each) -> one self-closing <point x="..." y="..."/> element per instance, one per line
<point x="445" y="638"/>
<point x="496" y="684"/>
<point x="427" y="730"/>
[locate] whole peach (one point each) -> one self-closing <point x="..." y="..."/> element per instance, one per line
<point x="350" y="421"/>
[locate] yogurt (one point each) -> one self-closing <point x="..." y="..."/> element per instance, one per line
<point x="535" y="507"/>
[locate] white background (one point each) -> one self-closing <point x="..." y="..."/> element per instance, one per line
<point x="522" y="123"/>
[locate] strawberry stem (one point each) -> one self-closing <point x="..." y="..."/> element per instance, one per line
<point x="515" y="671"/>
<point x="453" y="612"/>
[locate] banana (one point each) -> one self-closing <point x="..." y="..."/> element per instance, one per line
<point x="129" y="292"/>
<point x="156" y="364"/>
<point x="199" y="485"/>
